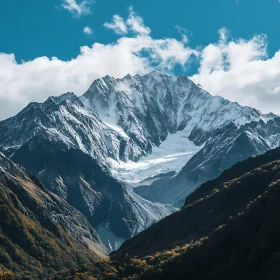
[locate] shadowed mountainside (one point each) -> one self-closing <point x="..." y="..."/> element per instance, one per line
<point x="39" y="232"/>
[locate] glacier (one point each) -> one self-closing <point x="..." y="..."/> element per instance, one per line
<point x="170" y="156"/>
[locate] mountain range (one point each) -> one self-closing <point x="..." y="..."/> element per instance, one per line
<point x="129" y="151"/>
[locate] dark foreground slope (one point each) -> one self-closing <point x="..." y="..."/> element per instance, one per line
<point x="247" y="247"/>
<point x="39" y="232"/>
<point x="228" y="229"/>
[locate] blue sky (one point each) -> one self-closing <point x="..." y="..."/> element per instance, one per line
<point x="31" y="30"/>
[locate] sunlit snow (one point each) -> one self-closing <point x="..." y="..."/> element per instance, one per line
<point x="170" y="156"/>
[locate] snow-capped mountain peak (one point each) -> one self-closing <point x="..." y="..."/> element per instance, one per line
<point x="124" y="118"/>
<point x="169" y="104"/>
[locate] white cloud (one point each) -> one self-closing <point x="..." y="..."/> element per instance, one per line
<point x="77" y="9"/>
<point x="21" y="83"/>
<point x="182" y="32"/>
<point x="118" y="25"/>
<point x="133" y="23"/>
<point x="87" y="30"/>
<point x="239" y="70"/>
<point x="136" y="23"/>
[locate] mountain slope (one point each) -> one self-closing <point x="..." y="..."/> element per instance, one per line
<point x="110" y="207"/>
<point x="39" y="232"/>
<point x="228" y="229"/>
<point x="210" y="206"/>
<point x="247" y="247"/>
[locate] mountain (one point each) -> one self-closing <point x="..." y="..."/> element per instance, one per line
<point x="228" y="229"/>
<point x="40" y="233"/>
<point x="118" y="152"/>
